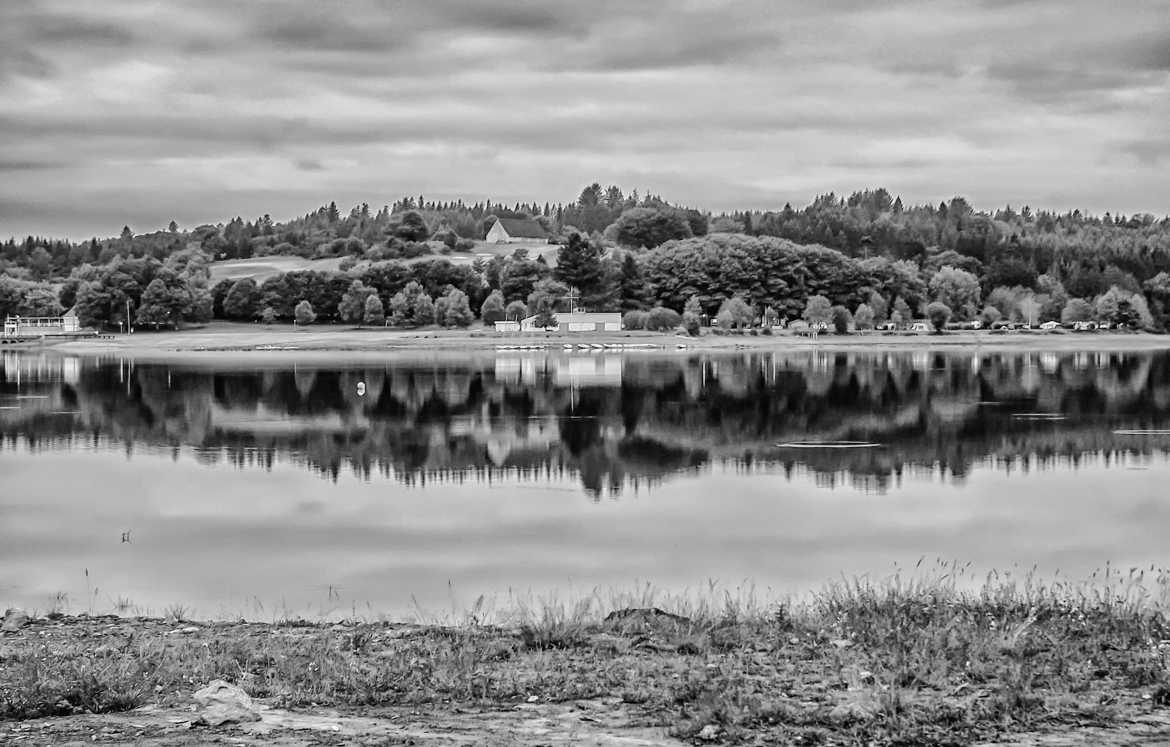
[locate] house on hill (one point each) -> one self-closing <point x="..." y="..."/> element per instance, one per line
<point x="517" y="231"/>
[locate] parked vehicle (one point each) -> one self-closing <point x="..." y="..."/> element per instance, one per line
<point x="1050" y="325"/>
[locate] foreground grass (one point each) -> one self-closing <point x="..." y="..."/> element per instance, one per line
<point x="908" y="662"/>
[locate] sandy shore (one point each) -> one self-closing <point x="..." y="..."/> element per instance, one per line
<point x="326" y="341"/>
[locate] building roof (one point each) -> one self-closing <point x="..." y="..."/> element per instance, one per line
<point x="523" y="228"/>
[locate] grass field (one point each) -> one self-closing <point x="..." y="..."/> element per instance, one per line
<point x="262" y="268"/>
<point x="910" y="660"/>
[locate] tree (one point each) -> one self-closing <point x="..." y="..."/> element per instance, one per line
<point x="818" y="311"/>
<point x="632" y="289"/>
<point x="374" y="314"/>
<point x="161" y="304"/>
<point x="353" y="302"/>
<point x="268" y="315"/>
<point x="411" y="306"/>
<point x="542" y="302"/>
<point x="841" y="319"/>
<point x="990" y="315"/>
<point x="863" y="317"/>
<point x="516" y="311"/>
<point x="1076" y="310"/>
<point x="648" y="227"/>
<point x="411" y="226"/>
<point x="955" y="288"/>
<point x="880" y="309"/>
<point x="1029" y="309"/>
<point x="492" y="309"/>
<point x="939" y="314"/>
<point x="303" y="313"/>
<point x="242" y="300"/>
<point x="456" y="310"/>
<point x="902" y="313"/>
<point x="579" y="266"/>
<point x="735" y="312"/>
<point x="173" y="227"/>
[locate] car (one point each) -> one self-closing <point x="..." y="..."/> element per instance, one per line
<point x="919" y="327"/>
<point x="1085" y="326"/>
<point x="1050" y="325"/>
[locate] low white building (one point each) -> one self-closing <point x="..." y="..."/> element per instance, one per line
<point x="36" y="326"/>
<point x="579" y="321"/>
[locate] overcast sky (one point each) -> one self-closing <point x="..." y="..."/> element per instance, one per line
<point x="136" y="112"/>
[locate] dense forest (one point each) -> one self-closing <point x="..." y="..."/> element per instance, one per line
<point x="855" y="262"/>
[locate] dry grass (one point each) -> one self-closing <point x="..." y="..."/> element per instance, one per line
<point x="914" y="659"/>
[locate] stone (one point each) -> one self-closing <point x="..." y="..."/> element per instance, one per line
<point x="223" y="703"/>
<point x="708" y="733"/>
<point x="14" y="620"/>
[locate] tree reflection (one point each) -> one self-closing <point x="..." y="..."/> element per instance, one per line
<point x="610" y="423"/>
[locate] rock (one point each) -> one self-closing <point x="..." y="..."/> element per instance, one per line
<point x="708" y="733"/>
<point x="222" y="703"/>
<point x="14" y="620"/>
<point x="842" y="643"/>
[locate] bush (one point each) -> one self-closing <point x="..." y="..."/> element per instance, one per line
<point x="841" y="320"/>
<point x="662" y="319"/>
<point x="939" y="314"/>
<point x="304" y="313"/>
<point x="692" y="323"/>
<point x="634" y="320"/>
<point x="492" y="310"/>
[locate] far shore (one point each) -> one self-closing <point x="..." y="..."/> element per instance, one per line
<point x="218" y="338"/>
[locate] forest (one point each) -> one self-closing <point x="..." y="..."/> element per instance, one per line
<point x="852" y="262"/>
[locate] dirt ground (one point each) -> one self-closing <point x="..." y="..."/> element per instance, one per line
<point x="595" y="723"/>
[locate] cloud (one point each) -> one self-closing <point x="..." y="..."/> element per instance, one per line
<point x="725" y="104"/>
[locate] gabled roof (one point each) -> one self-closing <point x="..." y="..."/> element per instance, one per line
<point x="523" y="228"/>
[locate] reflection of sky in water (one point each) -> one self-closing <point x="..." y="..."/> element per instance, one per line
<point x="215" y="537"/>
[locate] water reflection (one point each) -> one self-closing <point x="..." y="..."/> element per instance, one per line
<point x="611" y="422"/>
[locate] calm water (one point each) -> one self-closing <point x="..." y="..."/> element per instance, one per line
<point x="265" y="486"/>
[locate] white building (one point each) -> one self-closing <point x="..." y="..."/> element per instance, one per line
<point x="517" y="231"/>
<point x="36" y="326"/>
<point x="579" y="321"/>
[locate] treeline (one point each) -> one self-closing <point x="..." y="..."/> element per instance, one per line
<point x="856" y="261"/>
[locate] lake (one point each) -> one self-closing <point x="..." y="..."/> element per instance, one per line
<point x="266" y="485"/>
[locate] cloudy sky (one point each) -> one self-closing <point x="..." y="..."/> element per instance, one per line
<point x="137" y="111"/>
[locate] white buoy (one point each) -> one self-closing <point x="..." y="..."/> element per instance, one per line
<point x="361" y="388"/>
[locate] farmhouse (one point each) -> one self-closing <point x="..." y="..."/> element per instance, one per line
<point x="517" y="231"/>
<point x="37" y="326"/>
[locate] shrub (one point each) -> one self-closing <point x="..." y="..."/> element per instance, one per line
<point x="492" y="310"/>
<point x="692" y="323"/>
<point x="841" y="320"/>
<point x="374" y="314"/>
<point x="939" y="314"/>
<point x="304" y="313"/>
<point x="634" y="320"/>
<point x="662" y="319"/>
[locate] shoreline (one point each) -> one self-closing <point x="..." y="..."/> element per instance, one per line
<point x="220" y="338"/>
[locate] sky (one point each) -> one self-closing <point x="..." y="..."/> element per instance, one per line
<point x="137" y="112"/>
